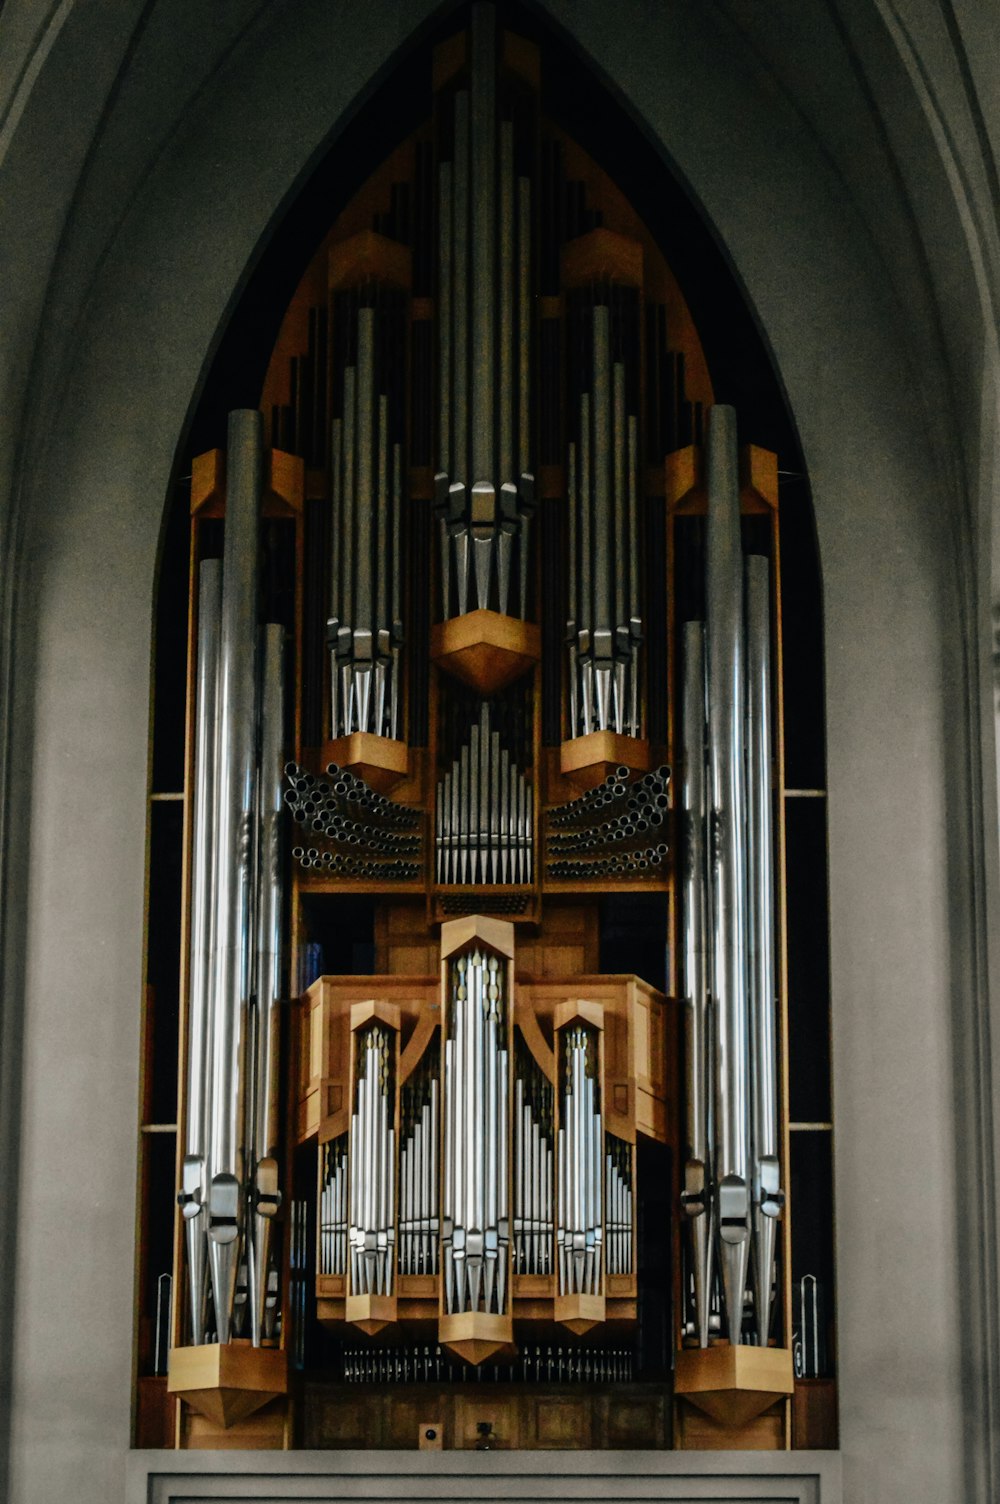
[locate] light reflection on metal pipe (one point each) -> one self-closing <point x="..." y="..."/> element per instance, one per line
<point x="768" y="1197"/>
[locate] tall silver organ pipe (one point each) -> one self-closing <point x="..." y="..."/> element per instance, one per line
<point x="373" y="1166"/>
<point x="364" y="630"/>
<point x="229" y="1192"/>
<point x="695" y="961"/>
<point x="580" y="1157"/>
<point x="732" y="1192"/>
<point x="726" y="700"/>
<point x="768" y="1197"/>
<point x="194" y="1189"/>
<point x="264" y="1078"/>
<point x="484" y="827"/>
<point x="604" y="627"/>
<point x="484" y="484"/>
<point x="476" y="1226"/>
<point x="235" y="844"/>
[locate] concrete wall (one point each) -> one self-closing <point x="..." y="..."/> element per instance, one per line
<point x="167" y="138"/>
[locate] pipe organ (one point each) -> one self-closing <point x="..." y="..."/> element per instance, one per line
<point x="484" y="1039"/>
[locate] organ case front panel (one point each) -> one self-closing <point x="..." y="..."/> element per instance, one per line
<point x="530" y="682"/>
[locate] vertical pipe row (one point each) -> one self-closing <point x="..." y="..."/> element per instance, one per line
<point x="372" y="1166"/>
<point x="484" y="485"/>
<point x="365" y="625"/>
<point x="484" y="822"/>
<point x="533" y="1168"/>
<point x="418" y="1181"/>
<point x="475" y="1219"/>
<point x="235" y="845"/>
<point x="732" y="1191"/>
<point x="580" y="1212"/>
<point x="604" y="617"/>
<point x="333" y="1223"/>
<point x="229" y="1191"/>
<point x="618" y="1208"/>
<point x="726" y="680"/>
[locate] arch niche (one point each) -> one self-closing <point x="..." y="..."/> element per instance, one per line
<point x="166" y="281"/>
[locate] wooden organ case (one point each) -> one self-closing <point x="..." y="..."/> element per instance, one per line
<point x="483" y="1122"/>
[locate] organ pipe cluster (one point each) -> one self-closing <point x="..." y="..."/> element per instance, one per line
<point x="732" y="1191"/>
<point x="619" y="1213"/>
<point x="485" y="813"/>
<point x="476" y="1225"/>
<point x="418" y="1170"/>
<point x="333" y="1224"/>
<point x="534" y="1161"/>
<point x="534" y="1364"/>
<point x="484" y="483"/>
<point x="229" y="1193"/>
<point x="373" y="1165"/>
<point x="604" y="625"/>
<point x="580" y="1223"/>
<point x="365" y="834"/>
<point x="365" y="627"/>
<point x="610" y="831"/>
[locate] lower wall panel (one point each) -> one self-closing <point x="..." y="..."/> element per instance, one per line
<point x="447" y="1478"/>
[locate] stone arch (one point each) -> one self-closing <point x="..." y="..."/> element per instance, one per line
<point x="94" y="467"/>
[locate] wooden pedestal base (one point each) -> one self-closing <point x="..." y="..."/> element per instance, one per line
<point x="486" y="650"/>
<point x="476" y="1336"/>
<point x="227" y="1381"/>
<point x="733" y="1384"/>
<point x="380" y="761"/>
<point x="587" y="760"/>
<point x="580" y="1312"/>
<point x="370" y="1312"/>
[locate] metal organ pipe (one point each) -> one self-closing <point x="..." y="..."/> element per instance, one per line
<point x="194" y="1185"/>
<point x="732" y="1190"/>
<point x="580" y="1215"/>
<point x="236" y="786"/>
<point x="475" y="1225"/>
<point x="484" y="487"/>
<point x="696" y="1197"/>
<point x="229" y="1183"/>
<point x="604" y="623"/>
<point x="726" y="700"/>
<point x="364" y="628"/>
<point x="373" y="1167"/>
<point x="484" y="821"/>
<point x="269" y="990"/>
<point x="768" y="1197"/>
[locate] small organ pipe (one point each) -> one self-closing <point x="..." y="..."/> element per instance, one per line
<point x="484" y="813"/>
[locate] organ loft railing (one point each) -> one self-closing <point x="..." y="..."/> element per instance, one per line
<point x="484" y="1040"/>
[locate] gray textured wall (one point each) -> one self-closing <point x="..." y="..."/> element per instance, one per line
<point x="146" y="150"/>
